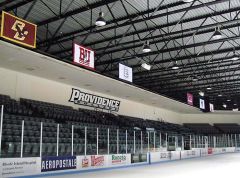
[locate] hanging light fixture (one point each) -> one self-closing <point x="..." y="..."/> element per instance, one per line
<point x="100" y="20"/>
<point x="201" y="93"/>
<point x="175" y="66"/>
<point x="217" y="34"/>
<point x="146" y="66"/>
<point x="194" y="78"/>
<point x="235" y="57"/>
<point x="146" y="47"/>
<point x="209" y="88"/>
<point x="224" y="105"/>
<point x="187" y="1"/>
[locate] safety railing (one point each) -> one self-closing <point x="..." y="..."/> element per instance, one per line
<point x="31" y="138"/>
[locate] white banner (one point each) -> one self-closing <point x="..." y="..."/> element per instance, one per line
<point x="83" y="56"/>
<point x="211" y="107"/>
<point x="125" y="72"/>
<point x="202" y="103"/>
<point x="11" y="167"/>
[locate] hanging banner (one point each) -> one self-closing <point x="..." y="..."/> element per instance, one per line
<point x="83" y="56"/>
<point x="202" y="103"/>
<point x="190" y="99"/>
<point x="211" y="107"/>
<point x="18" y="30"/>
<point x="125" y="72"/>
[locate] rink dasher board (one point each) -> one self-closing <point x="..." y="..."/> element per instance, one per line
<point x="13" y="167"/>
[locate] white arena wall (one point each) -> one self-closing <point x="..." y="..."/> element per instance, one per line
<point x="215" y="117"/>
<point x="17" y="85"/>
<point x="21" y="85"/>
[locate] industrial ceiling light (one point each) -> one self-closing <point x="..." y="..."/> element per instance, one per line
<point x="235" y="57"/>
<point x="201" y="93"/>
<point x="220" y="95"/>
<point x="175" y="66"/>
<point x="194" y="78"/>
<point x="217" y="34"/>
<point x="100" y="20"/>
<point x="228" y="100"/>
<point x="146" y="66"/>
<point x="187" y="1"/>
<point x="146" y="47"/>
<point x="209" y="88"/>
<point x="224" y="105"/>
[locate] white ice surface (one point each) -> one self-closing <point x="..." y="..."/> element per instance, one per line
<point x="218" y="166"/>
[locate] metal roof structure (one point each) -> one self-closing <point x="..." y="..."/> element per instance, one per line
<point x="177" y="31"/>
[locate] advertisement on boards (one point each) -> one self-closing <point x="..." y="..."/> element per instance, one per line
<point x="11" y="167"/>
<point x="55" y="163"/>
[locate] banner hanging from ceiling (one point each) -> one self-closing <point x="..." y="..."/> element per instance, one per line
<point x="202" y="103"/>
<point x="18" y="30"/>
<point x="190" y="99"/>
<point x="125" y="72"/>
<point x="211" y="107"/>
<point x="83" y="56"/>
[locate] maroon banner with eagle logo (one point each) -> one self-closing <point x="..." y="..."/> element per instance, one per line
<point x="18" y="30"/>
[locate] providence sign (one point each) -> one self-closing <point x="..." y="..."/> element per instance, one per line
<point x="86" y="99"/>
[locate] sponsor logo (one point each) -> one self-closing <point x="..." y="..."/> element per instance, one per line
<point x="210" y="151"/>
<point x="191" y="153"/>
<point x="53" y="163"/>
<point x="81" y="98"/>
<point x="18" y="30"/>
<point x="21" y="31"/>
<point x="118" y="159"/>
<point x="85" y="162"/>
<point x="97" y="160"/>
<point x="165" y="155"/>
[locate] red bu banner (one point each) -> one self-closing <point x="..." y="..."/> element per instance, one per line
<point x="190" y="99"/>
<point x="18" y="30"/>
<point x="83" y="56"/>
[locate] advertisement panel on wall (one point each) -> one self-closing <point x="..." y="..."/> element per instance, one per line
<point x="190" y="154"/>
<point x="119" y="159"/>
<point x="54" y="163"/>
<point x="81" y="98"/>
<point x="210" y="151"/>
<point x="11" y="167"/>
<point x="160" y="156"/>
<point x="237" y="149"/>
<point x="90" y="162"/>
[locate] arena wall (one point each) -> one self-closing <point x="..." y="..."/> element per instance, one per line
<point x="22" y="85"/>
<point x="215" y="117"/>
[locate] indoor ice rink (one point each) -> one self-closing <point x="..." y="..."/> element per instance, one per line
<point x="119" y="88"/>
